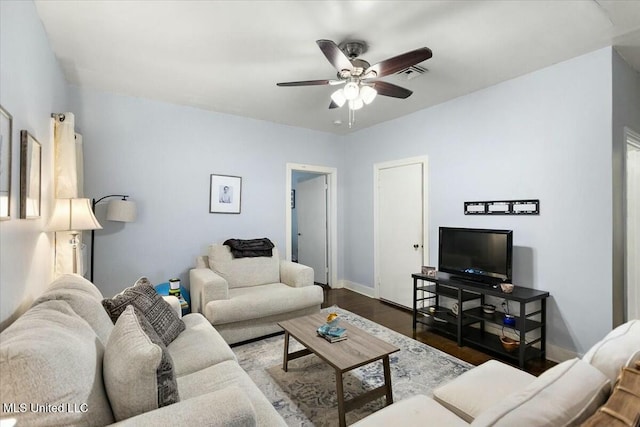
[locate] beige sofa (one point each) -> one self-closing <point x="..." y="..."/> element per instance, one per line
<point x="244" y="298"/>
<point x="496" y="394"/>
<point x="51" y="369"/>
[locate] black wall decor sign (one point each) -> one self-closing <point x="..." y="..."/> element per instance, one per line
<point x="503" y="207"/>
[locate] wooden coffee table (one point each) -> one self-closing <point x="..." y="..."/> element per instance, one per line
<point x="360" y="348"/>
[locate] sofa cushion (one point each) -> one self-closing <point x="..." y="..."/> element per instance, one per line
<point x="198" y="347"/>
<point x="613" y="351"/>
<point x="144" y="297"/>
<point x="262" y="301"/>
<point x="243" y="272"/>
<point x="566" y="394"/>
<point x="51" y="356"/>
<point x="224" y="375"/>
<point x="83" y="301"/>
<point x="466" y="395"/>
<point x="138" y="370"/>
<point x="75" y="281"/>
<point x="415" y="411"/>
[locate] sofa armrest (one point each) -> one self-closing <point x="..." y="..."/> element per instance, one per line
<point x="295" y="275"/>
<point x="174" y="302"/>
<point x="229" y="406"/>
<point x="206" y="286"/>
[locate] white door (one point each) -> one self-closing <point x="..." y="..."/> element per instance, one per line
<point x="311" y="204"/>
<point x="400" y="231"/>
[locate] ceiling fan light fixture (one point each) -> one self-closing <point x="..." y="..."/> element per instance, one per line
<point x="338" y="97"/>
<point x="368" y="94"/>
<point x="351" y="90"/>
<point x="356" y="104"/>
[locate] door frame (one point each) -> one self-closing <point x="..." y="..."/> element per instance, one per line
<point x="332" y="214"/>
<point x="423" y="160"/>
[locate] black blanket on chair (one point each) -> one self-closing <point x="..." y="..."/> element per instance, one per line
<point x="250" y="248"/>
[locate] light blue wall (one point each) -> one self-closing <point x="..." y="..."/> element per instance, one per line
<point x="162" y="155"/>
<point x="31" y="88"/>
<point x="549" y="135"/>
<point x="545" y="135"/>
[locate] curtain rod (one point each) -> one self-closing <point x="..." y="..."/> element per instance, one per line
<point x="58" y="116"/>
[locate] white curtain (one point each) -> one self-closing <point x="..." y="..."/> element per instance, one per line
<point x="67" y="172"/>
<point x="633" y="231"/>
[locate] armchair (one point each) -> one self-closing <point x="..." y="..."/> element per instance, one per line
<point x="244" y="298"/>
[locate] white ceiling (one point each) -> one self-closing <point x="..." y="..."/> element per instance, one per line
<point x="227" y="56"/>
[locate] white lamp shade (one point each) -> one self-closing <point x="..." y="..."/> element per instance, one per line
<point x="73" y="215"/>
<point x="351" y="90"/>
<point x="338" y="98"/>
<point x="367" y="93"/>
<point x="121" y="210"/>
<point x="356" y="104"/>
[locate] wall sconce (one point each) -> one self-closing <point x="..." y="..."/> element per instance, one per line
<point x="122" y="210"/>
<point x="73" y="215"/>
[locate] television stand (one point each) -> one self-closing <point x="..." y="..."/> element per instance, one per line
<point x="472" y="325"/>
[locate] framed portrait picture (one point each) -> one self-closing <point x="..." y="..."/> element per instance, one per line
<point x="225" y="194"/>
<point x="6" y="130"/>
<point x="30" y="176"/>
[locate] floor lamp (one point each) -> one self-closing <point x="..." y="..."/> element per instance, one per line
<point x="122" y="210"/>
<point x="73" y="215"/>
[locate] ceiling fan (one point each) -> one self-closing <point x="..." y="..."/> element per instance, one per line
<point x="359" y="77"/>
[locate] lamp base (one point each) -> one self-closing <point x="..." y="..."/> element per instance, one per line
<point x="74" y="242"/>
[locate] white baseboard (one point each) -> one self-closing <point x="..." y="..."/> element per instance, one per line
<point x="559" y="354"/>
<point x="357" y="287"/>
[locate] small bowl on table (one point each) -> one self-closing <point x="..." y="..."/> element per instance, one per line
<point x="333" y="319"/>
<point x="507" y="288"/>
<point x="509" y="344"/>
<point x="488" y="308"/>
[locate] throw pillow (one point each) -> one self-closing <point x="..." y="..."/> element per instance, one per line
<point x="158" y="312"/>
<point x="137" y="368"/>
<point x="613" y="351"/>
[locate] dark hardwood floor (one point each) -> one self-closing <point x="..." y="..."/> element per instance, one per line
<point x="400" y="320"/>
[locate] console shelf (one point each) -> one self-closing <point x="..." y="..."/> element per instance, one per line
<point x="471" y="324"/>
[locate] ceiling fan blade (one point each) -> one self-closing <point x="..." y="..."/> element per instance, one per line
<point x="333" y="105"/>
<point x="336" y="57"/>
<point x="400" y="62"/>
<point x="307" y="83"/>
<point x="389" y="89"/>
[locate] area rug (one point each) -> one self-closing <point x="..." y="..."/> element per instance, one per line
<point x="306" y="394"/>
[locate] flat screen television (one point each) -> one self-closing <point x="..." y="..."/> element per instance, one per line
<point x="476" y="254"/>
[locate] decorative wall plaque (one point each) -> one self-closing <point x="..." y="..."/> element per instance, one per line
<point x="503" y="207"/>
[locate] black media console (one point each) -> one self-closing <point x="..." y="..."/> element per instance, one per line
<point x="469" y="326"/>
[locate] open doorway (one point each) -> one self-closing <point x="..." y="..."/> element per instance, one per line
<point x="632" y="225"/>
<point x="311" y="219"/>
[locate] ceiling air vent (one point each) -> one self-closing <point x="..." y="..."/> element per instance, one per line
<point x="412" y="72"/>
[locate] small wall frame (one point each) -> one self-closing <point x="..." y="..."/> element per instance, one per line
<point x="30" y="176"/>
<point x="503" y="207"/>
<point x="6" y="132"/>
<point x="225" y="194"/>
